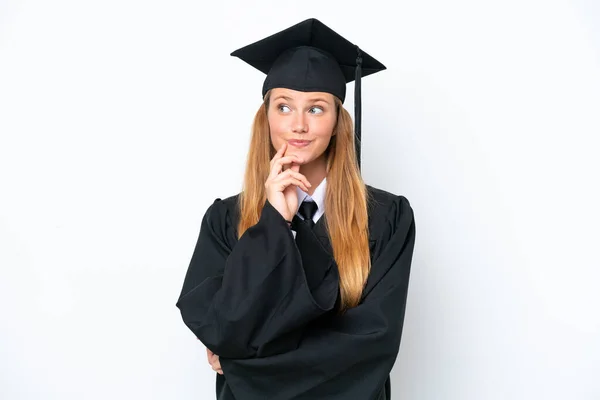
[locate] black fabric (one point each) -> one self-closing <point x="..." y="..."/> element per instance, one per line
<point x="309" y="57"/>
<point x="358" y="106"/>
<point x="307" y="211"/>
<point x="266" y="304"/>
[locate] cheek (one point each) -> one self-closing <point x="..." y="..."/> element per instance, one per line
<point x="276" y="131"/>
<point x="323" y="128"/>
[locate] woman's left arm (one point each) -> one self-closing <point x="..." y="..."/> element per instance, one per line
<point x="354" y="353"/>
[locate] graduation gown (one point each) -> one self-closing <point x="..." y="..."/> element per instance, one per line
<point x="266" y="304"/>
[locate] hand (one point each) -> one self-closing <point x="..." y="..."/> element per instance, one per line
<point x="281" y="186"/>
<point x="214" y="362"/>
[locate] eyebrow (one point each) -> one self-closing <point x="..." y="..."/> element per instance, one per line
<point x="282" y="97"/>
<point x="315" y="99"/>
<point x="311" y="100"/>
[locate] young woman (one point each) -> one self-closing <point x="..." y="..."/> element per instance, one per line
<point x="297" y="286"/>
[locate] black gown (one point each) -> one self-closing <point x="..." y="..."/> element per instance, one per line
<point x="265" y="304"/>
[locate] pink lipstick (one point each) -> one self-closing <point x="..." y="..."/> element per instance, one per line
<point x="299" y="143"/>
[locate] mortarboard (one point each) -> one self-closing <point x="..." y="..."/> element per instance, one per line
<point x="311" y="57"/>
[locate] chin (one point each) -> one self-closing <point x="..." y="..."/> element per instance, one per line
<point x="304" y="157"/>
<point x="294" y="150"/>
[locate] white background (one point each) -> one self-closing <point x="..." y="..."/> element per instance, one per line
<point x="121" y="121"/>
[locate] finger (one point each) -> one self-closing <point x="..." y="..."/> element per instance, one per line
<point x="294" y="174"/>
<point x="282" y="149"/>
<point x="277" y="167"/>
<point x="279" y="153"/>
<point x="278" y="164"/>
<point x="290" y="159"/>
<point x="283" y="183"/>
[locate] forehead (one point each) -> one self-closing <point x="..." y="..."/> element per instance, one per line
<point x="296" y="95"/>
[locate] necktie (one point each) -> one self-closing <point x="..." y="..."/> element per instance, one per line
<point x="307" y="211"/>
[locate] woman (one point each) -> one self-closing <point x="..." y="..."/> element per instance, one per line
<point x="297" y="286"/>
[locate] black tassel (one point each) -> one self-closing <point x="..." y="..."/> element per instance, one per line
<point x="357" y="105"/>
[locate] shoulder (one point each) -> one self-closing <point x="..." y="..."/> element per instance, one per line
<point x="227" y="204"/>
<point x="384" y="203"/>
<point x="223" y="211"/>
<point x="392" y="233"/>
<point x="220" y="221"/>
<point x="388" y="213"/>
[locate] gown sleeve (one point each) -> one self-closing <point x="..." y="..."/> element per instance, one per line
<point x="240" y="299"/>
<point x="350" y="355"/>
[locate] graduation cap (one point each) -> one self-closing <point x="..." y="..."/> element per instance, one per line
<point x="311" y="57"/>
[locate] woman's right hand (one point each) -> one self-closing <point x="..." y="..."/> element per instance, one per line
<point x="281" y="184"/>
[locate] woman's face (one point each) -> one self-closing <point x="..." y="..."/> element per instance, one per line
<point x="305" y="120"/>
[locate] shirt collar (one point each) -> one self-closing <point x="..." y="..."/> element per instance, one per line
<point x="318" y="196"/>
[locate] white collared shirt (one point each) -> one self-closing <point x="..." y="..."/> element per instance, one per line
<point x="318" y="197"/>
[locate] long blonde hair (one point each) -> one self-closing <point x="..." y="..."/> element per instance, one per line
<point x="345" y="199"/>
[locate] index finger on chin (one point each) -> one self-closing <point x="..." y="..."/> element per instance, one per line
<point x="280" y="152"/>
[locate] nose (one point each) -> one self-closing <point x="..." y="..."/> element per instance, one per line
<point x="299" y="123"/>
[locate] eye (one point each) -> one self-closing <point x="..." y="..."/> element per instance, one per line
<point x="316" y="110"/>
<point x="283" y="108"/>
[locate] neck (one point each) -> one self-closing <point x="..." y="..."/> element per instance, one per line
<point x="315" y="172"/>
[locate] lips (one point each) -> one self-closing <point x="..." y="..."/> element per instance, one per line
<point x="299" y="143"/>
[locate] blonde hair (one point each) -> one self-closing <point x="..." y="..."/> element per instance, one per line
<point x="345" y="199"/>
